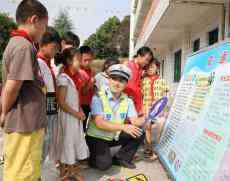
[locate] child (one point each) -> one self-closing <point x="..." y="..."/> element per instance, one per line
<point x="102" y="78"/>
<point x="68" y="40"/>
<point x="133" y="88"/>
<point x="70" y="114"/>
<point x="86" y="93"/>
<point x="23" y="99"/>
<point x="49" y="46"/>
<point x="153" y="88"/>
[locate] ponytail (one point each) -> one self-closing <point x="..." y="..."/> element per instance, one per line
<point x="66" y="57"/>
<point x="59" y="59"/>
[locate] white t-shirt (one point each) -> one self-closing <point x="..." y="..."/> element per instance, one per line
<point x="46" y="75"/>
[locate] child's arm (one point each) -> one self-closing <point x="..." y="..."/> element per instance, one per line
<point x="65" y="107"/>
<point x="88" y="85"/>
<point x="9" y="96"/>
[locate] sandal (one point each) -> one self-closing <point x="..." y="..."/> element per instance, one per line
<point x="73" y="173"/>
<point x="72" y="178"/>
<point x="64" y="169"/>
<point x="148" y="153"/>
<point x="83" y="164"/>
<point x="57" y="164"/>
<point x="1" y="160"/>
<point x="153" y="157"/>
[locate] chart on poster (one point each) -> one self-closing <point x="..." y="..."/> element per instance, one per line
<point x="195" y="143"/>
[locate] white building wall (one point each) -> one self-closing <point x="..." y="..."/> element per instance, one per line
<point x="169" y="69"/>
<point x="159" y="11"/>
<point x="185" y="43"/>
<point x="198" y="30"/>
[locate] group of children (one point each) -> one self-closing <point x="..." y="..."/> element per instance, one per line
<point x="68" y="89"/>
<point x="48" y="91"/>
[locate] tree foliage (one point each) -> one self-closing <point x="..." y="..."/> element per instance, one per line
<point x="108" y="40"/>
<point x="120" y="41"/>
<point x="7" y="24"/>
<point x="63" y="23"/>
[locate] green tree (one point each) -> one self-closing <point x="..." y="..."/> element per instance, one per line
<point x="7" y="24"/>
<point x="63" y="23"/>
<point x="101" y="40"/>
<point x="120" y="40"/>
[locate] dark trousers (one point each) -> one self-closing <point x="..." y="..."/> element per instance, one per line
<point x="100" y="155"/>
<point x="86" y="110"/>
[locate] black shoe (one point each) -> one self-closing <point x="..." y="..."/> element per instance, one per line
<point x="116" y="161"/>
<point x="124" y="163"/>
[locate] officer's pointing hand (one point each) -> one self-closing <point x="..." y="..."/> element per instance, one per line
<point x="132" y="130"/>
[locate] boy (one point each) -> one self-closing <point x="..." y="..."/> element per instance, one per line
<point x="23" y="101"/>
<point x="50" y="44"/>
<point x="107" y="128"/>
<point x="87" y="91"/>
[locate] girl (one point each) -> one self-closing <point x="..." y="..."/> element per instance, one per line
<point x="153" y="88"/>
<point x="70" y="114"/>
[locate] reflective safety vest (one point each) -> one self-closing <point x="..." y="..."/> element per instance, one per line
<point x="117" y="117"/>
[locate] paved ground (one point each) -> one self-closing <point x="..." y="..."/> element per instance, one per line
<point x="154" y="171"/>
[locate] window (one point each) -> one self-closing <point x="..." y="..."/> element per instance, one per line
<point x="177" y="66"/>
<point x="213" y="36"/>
<point x="162" y="68"/>
<point x="196" y="45"/>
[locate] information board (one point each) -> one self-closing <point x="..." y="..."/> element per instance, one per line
<point x="195" y="143"/>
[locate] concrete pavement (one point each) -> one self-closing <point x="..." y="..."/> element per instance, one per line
<point x="153" y="171"/>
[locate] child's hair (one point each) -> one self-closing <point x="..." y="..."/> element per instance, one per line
<point x="29" y="8"/>
<point x="109" y="62"/>
<point x="143" y="51"/>
<point x="50" y="36"/>
<point x="135" y="56"/>
<point x="66" y="57"/>
<point x="153" y="61"/>
<point x="71" y="39"/>
<point x="86" y="49"/>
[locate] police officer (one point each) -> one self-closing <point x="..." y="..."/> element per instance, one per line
<point x="111" y="108"/>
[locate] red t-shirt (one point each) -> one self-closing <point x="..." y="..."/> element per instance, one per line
<point x="81" y="79"/>
<point x="86" y="76"/>
<point x="133" y="88"/>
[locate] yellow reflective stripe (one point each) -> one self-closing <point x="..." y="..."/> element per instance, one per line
<point x="123" y="105"/>
<point x="105" y="102"/>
